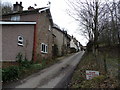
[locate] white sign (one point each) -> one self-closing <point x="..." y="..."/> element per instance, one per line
<point x="91" y="74"/>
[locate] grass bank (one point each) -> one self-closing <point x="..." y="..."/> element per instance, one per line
<point x="108" y="67"/>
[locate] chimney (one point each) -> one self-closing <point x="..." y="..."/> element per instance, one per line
<point x="17" y="7"/>
<point x="72" y="36"/>
<point x="21" y="3"/>
<point x="30" y="8"/>
<point x="16" y="2"/>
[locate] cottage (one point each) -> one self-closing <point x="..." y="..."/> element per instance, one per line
<point x="74" y="45"/>
<point x="32" y="33"/>
<point x="40" y="33"/>
<point x="62" y="40"/>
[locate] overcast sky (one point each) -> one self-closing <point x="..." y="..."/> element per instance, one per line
<point x="59" y="15"/>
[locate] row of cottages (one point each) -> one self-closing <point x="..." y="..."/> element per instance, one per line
<point x="62" y="40"/>
<point x="66" y="43"/>
<point x="32" y="33"/>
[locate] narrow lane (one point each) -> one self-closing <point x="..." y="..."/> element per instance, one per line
<point x="51" y="77"/>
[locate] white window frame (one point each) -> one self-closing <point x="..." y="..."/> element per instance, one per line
<point x="20" y="40"/>
<point x="49" y="27"/>
<point x="45" y="47"/>
<point x="15" y="18"/>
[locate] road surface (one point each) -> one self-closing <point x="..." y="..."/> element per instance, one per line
<point x="53" y="77"/>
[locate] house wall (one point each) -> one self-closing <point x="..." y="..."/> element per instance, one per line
<point x="65" y="47"/>
<point x="68" y="45"/>
<point x="78" y="46"/>
<point x="0" y="42"/>
<point x="72" y="44"/>
<point x="23" y="17"/>
<point x="10" y="48"/>
<point x="6" y="17"/>
<point x="76" y="43"/>
<point x="59" y="40"/>
<point x="44" y="35"/>
<point x="62" y="41"/>
<point x="29" y="17"/>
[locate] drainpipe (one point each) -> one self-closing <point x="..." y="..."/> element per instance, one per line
<point x="35" y="43"/>
<point x="35" y="39"/>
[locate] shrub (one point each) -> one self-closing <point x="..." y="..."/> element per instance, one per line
<point x="23" y="61"/>
<point x="19" y="57"/>
<point x="36" y="66"/>
<point x="44" y="62"/>
<point x="14" y="72"/>
<point x="55" y="51"/>
<point x="10" y="73"/>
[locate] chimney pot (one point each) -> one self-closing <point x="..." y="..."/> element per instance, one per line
<point x="21" y="3"/>
<point x="17" y="7"/>
<point x="16" y="2"/>
<point x="30" y="8"/>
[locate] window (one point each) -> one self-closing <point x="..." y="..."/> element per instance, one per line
<point x="15" y="18"/>
<point x="20" y="41"/>
<point x="44" y="48"/>
<point x="49" y="27"/>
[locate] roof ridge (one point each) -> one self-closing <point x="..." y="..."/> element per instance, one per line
<point x="19" y="12"/>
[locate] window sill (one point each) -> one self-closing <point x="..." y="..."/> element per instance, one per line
<point x="44" y="52"/>
<point x="20" y="45"/>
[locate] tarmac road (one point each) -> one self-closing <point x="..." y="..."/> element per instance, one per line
<point x="55" y="76"/>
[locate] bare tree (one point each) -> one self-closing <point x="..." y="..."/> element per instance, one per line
<point x="90" y="15"/>
<point x="110" y="24"/>
<point x="6" y="7"/>
<point x="99" y="20"/>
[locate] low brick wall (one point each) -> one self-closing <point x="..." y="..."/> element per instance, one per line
<point x="7" y="64"/>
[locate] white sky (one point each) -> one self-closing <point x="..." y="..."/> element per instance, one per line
<point x="59" y="15"/>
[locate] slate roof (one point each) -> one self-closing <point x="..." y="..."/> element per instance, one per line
<point x="27" y="11"/>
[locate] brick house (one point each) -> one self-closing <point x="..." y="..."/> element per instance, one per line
<point x="43" y="37"/>
<point x="62" y="40"/>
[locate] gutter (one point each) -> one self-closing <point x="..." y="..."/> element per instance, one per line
<point x="17" y="23"/>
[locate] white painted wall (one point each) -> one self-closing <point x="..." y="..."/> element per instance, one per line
<point x="78" y="46"/>
<point x="72" y="44"/>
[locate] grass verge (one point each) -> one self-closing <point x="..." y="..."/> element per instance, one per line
<point x="107" y="79"/>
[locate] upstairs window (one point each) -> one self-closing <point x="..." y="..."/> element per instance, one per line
<point x="20" y="41"/>
<point x="44" y="48"/>
<point x="15" y="18"/>
<point x="49" y="27"/>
